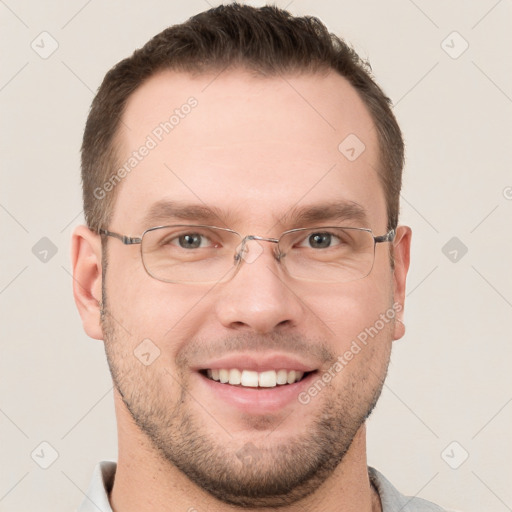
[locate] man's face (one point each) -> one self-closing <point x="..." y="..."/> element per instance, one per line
<point x="255" y="150"/>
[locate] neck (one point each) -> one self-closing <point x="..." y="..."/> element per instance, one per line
<point x="145" y="482"/>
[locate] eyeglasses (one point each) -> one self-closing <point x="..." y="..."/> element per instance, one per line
<point x="208" y="254"/>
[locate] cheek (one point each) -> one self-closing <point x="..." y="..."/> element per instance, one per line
<point x="347" y="310"/>
<point x="144" y="308"/>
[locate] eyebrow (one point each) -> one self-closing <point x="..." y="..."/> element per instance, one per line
<point x="164" y="211"/>
<point x="340" y="211"/>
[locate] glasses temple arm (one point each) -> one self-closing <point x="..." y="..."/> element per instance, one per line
<point x="388" y="237"/>
<point x="127" y="240"/>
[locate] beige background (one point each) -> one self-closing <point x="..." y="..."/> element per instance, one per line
<point x="450" y="376"/>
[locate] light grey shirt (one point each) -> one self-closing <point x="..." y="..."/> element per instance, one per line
<point x="96" y="499"/>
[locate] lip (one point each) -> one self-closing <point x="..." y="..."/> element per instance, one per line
<point x="257" y="363"/>
<point x="255" y="401"/>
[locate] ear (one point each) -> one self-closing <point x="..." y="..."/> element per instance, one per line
<point x="86" y="261"/>
<point x="402" y="253"/>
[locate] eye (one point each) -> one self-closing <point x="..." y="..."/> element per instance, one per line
<point x="190" y="241"/>
<point x="321" y="240"/>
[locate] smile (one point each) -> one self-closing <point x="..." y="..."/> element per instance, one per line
<point x="254" y="379"/>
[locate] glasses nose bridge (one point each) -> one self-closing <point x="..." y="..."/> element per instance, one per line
<point x="262" y="238"/>
<point x="244" y="241"/>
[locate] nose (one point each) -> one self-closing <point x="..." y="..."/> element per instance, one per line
<point x="260" y="297"/>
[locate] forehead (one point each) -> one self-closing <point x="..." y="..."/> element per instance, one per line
<point x="253" y="149"/>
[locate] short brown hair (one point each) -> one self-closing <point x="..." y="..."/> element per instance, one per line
<point x="265" y="40"/>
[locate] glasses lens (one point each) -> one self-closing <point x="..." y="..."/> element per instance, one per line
<point x="189" y="254"/>
<point x="328" y="254"/>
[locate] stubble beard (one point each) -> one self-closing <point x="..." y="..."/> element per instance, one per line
<point x="275" y="474"/>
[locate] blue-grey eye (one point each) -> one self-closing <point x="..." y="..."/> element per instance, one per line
<point x="190" y="241"/>
<point x="320" y="240"/>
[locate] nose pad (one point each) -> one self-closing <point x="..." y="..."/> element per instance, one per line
<point x="248" y="256"/>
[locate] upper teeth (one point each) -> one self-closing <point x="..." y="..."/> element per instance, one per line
<point x="266" y="379"/>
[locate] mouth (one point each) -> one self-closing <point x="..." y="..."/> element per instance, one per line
<point x="242" y="378"/>
<point x="254" y="392"/>
<point x="255" y="383"/>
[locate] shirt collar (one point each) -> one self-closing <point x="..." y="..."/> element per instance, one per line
<point x="96" y="499"/>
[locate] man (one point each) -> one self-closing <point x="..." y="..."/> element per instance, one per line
<point x="243" y="263"/>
